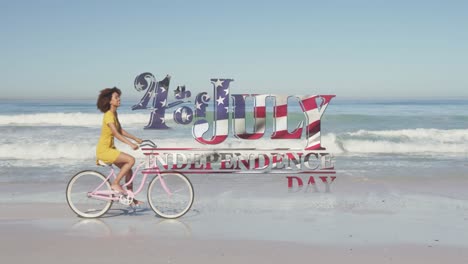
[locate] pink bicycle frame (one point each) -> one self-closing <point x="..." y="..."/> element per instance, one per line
<point x="108" y="194"/>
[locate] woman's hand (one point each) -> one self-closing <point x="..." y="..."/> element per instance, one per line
<point x="139" y="141"/>
<point x="134" y="146"/>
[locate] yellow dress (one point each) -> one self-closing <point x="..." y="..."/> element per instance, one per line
<point x="105" y="149"/>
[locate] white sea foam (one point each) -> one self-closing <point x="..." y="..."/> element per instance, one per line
<point x="68" y="119"/>
<point x="406" y="141"/>
<point x="56" y="151"/>
<point x="47" y="151"/>
<point x="419" y="134"/>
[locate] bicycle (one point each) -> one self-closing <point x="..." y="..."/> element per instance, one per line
<point x="170" y="193"/>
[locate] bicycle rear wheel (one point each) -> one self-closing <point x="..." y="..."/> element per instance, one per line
<point x="81" y="199"/>
<point x="170" y="194"/>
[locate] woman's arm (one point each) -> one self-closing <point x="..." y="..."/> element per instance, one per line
<point x="126" y="134"/>
<point x="120" y="137"/>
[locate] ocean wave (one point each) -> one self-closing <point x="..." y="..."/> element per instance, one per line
<point x="95" y="119"/>
<point x="55" y="153"/>
<point x="404" y="141"/>
<point x="47" y="151"/>
<point x="419" y="134"/>
<point x="373" y="117"/>
<point x="68" y="119"/>
<point x="142" y="118"/>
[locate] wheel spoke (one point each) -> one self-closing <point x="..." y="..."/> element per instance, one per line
<point x="82" y="201"/>
<point x="177" y="202"/>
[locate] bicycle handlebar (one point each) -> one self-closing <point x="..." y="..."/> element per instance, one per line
<point x="148" y="143"/>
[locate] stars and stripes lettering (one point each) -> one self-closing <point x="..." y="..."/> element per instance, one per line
<point x="220" y="115"/>
<point x="214" y="129"/>
<point x="240" y="130"/>
<point x="280" y="114"/>
<point x="314" y="107"/>
<point x="157" y="91"/>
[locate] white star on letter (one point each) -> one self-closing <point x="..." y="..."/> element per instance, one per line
<point x="220" y="100"/>
<point x="162" y="120"/>
<point x="163" y="89"/>
<point x="138" y="86"/>
<point x="226" y="91"/>
<point x="185" y="117"/>
<point x="218" y="83"/>
<point x="198" y="105"/>
<point x="163" y="103"/>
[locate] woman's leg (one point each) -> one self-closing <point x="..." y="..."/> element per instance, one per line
<point x="125" y="162"/>
<point x="128" y="177"/>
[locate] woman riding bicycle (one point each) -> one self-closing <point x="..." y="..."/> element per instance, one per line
<point x="108" y="102"/>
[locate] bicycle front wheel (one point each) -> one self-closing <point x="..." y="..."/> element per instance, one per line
<point x="170" y="194"/>
<point x="85" y="198"/>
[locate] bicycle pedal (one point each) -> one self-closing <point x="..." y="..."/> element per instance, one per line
<point x="125" y="199"/>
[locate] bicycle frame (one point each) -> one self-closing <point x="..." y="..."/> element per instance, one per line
<point x="107" y="194"/>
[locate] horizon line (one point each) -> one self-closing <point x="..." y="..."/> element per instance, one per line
<point x="337" y="97"/>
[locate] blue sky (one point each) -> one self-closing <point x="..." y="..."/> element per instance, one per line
<point x="379" y="49"/>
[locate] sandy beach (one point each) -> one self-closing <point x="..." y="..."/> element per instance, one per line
<point x="222" y="228"/>
<point x="23" y="243"/>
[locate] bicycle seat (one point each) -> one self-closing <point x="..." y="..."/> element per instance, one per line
<point x="102" y="163"/>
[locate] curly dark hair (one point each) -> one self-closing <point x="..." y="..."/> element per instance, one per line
<point x="105" y="96"/>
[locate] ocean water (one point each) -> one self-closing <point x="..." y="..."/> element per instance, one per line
<point x="49" y="141"/>
<point x="362" y="134"/>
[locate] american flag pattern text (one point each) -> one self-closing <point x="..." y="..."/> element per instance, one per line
<point x="314" y="111"/>
<point x="240" y="130"/>
<point x="313" y="108"/>
<point x="280" y="114"/>
<point x="220" y="115"/>
<point x="157" y="91"/>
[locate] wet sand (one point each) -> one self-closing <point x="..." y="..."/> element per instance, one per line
<point x="50" y="233"/>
